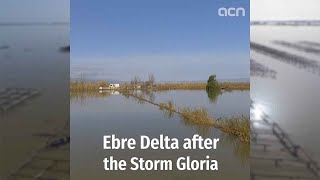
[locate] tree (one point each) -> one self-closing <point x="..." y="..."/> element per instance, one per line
<point x="151" y="79"/>
<point x="135" y="81"/>
<point x="212" y="83"/>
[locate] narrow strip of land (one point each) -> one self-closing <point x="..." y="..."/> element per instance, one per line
<point x="237" y="126"/>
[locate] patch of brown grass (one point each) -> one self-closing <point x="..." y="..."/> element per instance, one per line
<point x="197" y="116"/>
<point x="236" y="125"/>
<point x="188" y="86"/>
<point x="167" y="106"/>
<point x="229" y="86"/>
<point x="86" y="85"/>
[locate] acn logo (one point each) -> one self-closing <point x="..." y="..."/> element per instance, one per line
<point x="231" y="11"/>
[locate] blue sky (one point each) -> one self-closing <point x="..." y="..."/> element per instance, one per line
<point x="29" y="11"/>
<point x="177" y="40"/>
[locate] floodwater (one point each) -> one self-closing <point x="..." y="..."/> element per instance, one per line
<point x="95" y="115"/>
<point x="30" y="58"/>
<point x="292" y="97"/>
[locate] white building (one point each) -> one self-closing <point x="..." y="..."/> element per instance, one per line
<point x="111" y="86"/>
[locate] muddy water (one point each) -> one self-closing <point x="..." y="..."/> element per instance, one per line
<point x="292" y="97"/>
<point x="32" y="59"/>
<point x="93" y="116"/>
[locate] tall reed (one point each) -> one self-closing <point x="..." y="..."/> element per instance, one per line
<point x="87" y="85"/>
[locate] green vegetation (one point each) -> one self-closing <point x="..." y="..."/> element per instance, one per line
<point x="213" y="94"/>
<point x="212" y="83"/>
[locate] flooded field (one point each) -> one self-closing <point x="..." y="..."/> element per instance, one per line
<point x="285" y="80"/>
<point x="31" y="59"/>
<point x="97" y="114"/>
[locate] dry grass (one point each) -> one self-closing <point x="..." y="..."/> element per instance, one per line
<point x="197" y="116"/>
<point x="169" y="106"/>
<point x="236" y="125"/>
<point x="86" y="85"/>
<point x="229" y="86"/>
<point x="174" y="86"/>
<point x="94" y="85"/>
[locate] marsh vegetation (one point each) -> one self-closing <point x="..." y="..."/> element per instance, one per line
<point x="237" y="125"/>
<point x="86" y="85"/>
<point x="94" y="85"/>
<point x="132" y="113"/>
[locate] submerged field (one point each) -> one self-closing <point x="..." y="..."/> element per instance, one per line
<point x="110" y="112"/>
<point x="290" y="98"/>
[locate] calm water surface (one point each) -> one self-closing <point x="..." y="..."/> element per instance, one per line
<point x="30" y="58"/>
<point x="93" y="116"/>
<point x="292" y="99"/>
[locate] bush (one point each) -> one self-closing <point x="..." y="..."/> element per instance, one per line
<point x="212" y="83"/>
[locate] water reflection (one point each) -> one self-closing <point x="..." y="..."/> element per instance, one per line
<point x="213" y="94"/>
<point x="298" y="46"/>
<point x="289" y="100"/>
<point x="286" y="57"/>
<point x="30" y="60"/>
<point x="241" y="150"/>
<point x="129" y="116"/>
<point x="259" y="70"/>
<point x="82" y="97"/>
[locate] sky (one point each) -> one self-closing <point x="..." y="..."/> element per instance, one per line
<point x="285" y="9"/>
<point x="30" y="11"/>
<point x="180" y="40"/>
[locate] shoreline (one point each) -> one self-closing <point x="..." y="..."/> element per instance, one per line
<point x="83" y="86"/>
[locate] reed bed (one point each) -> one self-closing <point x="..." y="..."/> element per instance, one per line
<point x="197" y="116"/>
<point x="87" y="85"/>
<point x="167" y="106"/>
<point x="238" y="126"/>
<point x="229" y="86"/>
<point x="175" y="86"/>
<point x="94" y="85"/>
